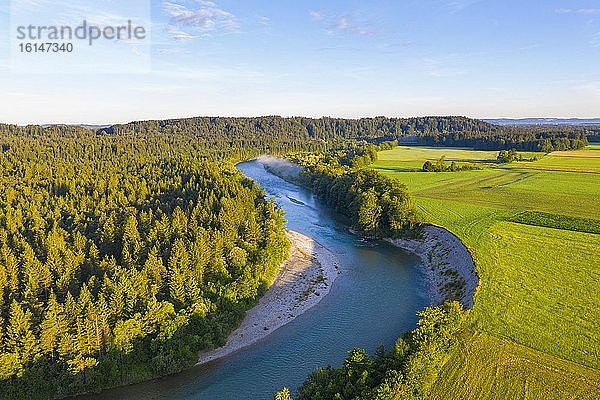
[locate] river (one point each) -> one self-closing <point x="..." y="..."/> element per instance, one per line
<point x="371" y="303"/>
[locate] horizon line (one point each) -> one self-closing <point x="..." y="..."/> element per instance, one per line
<point x="124" y="122"/>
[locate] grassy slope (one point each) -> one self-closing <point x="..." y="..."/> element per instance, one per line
<point x="538" y="301"/>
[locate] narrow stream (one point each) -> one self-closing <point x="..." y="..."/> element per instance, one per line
<point x="371" y="303"/>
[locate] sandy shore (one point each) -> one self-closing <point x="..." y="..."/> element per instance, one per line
<point x="302" y="281"/>
<point x="447" y="263"/>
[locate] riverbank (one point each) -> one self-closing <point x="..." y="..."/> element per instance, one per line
<point x="303" y="280"/>
<point x="447" y="263"/>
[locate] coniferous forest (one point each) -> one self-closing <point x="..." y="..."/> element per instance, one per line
<point x="121" y="258"/>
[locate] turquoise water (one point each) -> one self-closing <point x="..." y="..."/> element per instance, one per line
<point x="371" y="303"/>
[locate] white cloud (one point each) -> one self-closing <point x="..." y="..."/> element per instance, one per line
<point x="364" y="30"/>
<point x="178" y="34"/>
<point x="139" y="52"/>
<point x="171" y="50"/>
<point x="73" y="12"/>
<point x="596" y="40"/>
<point x="315" y="15"/>
<point x="342" y="24"/>
<point x="29" y="4"/>
<point x="458" y="5"/>
<point x="265" y="21"/>
<point x="202" y="19"/>
<point x="578" y="11"/>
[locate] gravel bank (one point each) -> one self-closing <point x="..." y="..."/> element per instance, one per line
<point x="302" y="281"/>
<point x="447" y="263"/>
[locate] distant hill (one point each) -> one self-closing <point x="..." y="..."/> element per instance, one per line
<point x="543" y="121"/>
<point x="272" y="134"/>
<point x="84" y="126"/>
<point x="449" y="131"/>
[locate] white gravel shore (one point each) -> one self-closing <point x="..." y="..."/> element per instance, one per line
<point x="302" y="281"/>
<point x="447" y="263"/>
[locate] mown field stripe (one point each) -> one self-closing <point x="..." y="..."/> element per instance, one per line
<point x="557" y="221"/>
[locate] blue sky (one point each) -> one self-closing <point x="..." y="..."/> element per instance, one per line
<point x="479" y="58"/>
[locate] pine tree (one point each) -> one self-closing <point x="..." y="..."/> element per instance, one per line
<point x="53" y="327"/>
<point x="178" y="222"/>
<point x="12" y="271"/>
<point x="20" y="339"/>
<point x="1" y="334"/>
<point x="155" y="271"/>
<point x="32" y="278"/>
<point x="131" y="243"/>
<point x="178" y="267"/>
<point x="3" y="286"/>
<point x="283" y="395"/>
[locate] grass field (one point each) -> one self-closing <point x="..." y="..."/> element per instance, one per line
<point x="404" y="159"/>
<point x="511" y="371"/>
<point x="586" y="160"/>
<point x="538" y="304"/>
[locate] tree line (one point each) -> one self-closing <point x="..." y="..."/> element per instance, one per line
<point x="434" y="131"/>
<point x="528" y="138"/>
<point x="441" y="165"/>
<point x="509" y="156"/>
<point x="242" y="137"/>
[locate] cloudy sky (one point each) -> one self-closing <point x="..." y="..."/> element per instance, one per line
<point x="347" y="58"/>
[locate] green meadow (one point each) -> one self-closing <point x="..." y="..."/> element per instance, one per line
<point x="486" y="367"/>
<point x="530" y="226"/>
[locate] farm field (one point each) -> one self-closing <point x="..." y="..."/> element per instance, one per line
<point x="486" y="367"/>
<point x="538" y="297"/>
<point x="406" y="158"/>
<point x="579" y="161"/>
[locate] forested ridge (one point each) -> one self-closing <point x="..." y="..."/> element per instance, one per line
<point x="289" y="133"/>
<point x="191" y="139"/>
<point x="121" y="258"/>
<point x="242" y="137"/>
